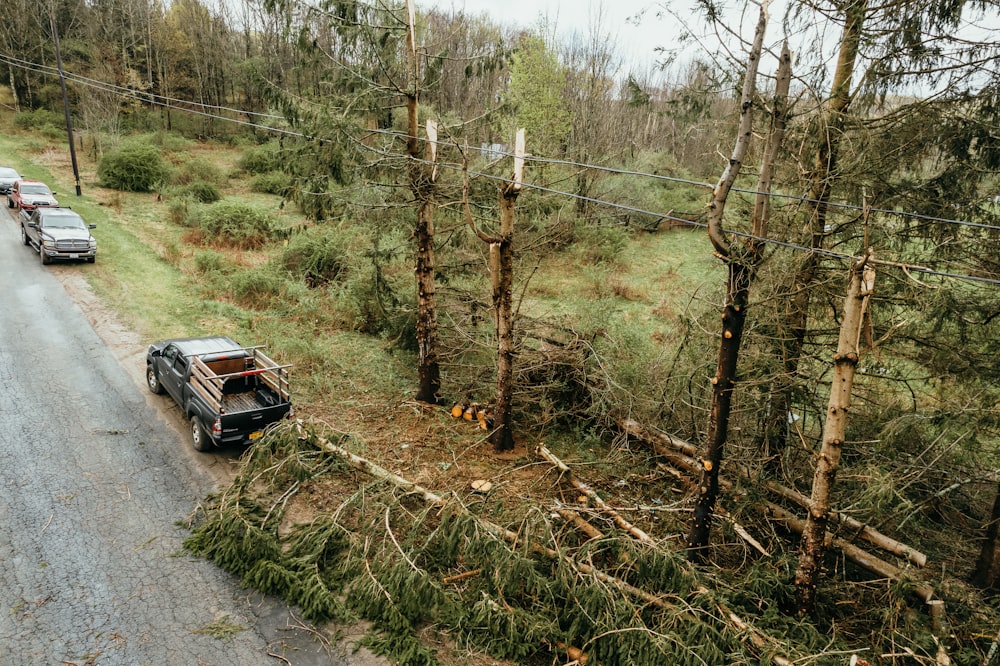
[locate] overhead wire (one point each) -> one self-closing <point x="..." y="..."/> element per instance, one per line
<point x="162" y="101"/>
<point x="124" y="90"/>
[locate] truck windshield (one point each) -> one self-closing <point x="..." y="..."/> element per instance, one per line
<point x="34" y="189"/>
<point x="62" y="222"/>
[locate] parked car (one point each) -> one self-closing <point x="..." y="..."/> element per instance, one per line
<point x="8" y="177"/>
<point x="58" y="233"/>
<point x="229" y="393"/>
<point x="30" y="194"/>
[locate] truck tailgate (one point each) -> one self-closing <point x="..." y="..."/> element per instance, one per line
<point x="244" y="424"/>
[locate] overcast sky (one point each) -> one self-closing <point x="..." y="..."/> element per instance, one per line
<point x="636" y="44"/>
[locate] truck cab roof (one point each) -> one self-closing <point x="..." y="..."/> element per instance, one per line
<point x="204" y="346"/>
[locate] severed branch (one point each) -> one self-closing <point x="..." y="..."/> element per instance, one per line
<point x="756" y="637"/>
<point x="580" y="523"/>
<point x="681" y="454"/>
<point x="447" y="580"/>
<point x="567" y="473"/>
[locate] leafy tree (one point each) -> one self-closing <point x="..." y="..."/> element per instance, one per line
<point x="535" y="95"/>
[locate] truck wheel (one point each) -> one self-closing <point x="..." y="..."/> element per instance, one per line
<point x="10" y="202"/>
<point x="24" y="236"/>
<point x="199" y="438"/>
<point x="153" y="380"/>
<point x="46" y="260"/>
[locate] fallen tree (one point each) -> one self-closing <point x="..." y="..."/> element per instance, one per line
<point x="679" y="453"/>
<point x="683" y="455"/>
<point x="406" y="557"/>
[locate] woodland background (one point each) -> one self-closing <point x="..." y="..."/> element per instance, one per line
<point x="262" y="168"/>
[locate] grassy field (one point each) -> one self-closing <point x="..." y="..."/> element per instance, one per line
<point x="148" y="271"/>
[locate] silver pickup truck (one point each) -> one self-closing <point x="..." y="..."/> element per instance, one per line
<point x="58" y="233"/>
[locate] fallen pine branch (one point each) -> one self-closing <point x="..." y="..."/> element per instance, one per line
<point x="685" y="455"/>
<point x="759" y="640"/>
<point x="510" y="536"/>
<point x="577" y="483"/>
<point x="593" y="496"/>
<point x="855" y="554"/>
<point x="678" y="454"/>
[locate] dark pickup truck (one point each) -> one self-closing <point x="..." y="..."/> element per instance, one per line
<point x="229" y="393"/>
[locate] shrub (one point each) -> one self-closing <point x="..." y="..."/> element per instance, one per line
<point x="178" y="211"/>
<point x="272" y="182"/>
<point x="241" y="225"/>
<point x="259" y="287"/>
<point x="195" y="170"/>
<point x="209" y="261"/>
<point x="262" y="159"/>
<point x="380" y="310"/>
<point x="134" y="167"/>
<point x="319" y="256"/>
<point x="170" y="142"/>
<point x="599" y="244"/>
<point x="201" y="191"/>
<point x="256" y="287"/>
<point x="38" y="119"/>
<point x="53" y="133"/>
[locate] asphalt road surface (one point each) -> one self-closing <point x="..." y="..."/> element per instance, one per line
<point x="93" y="481"/>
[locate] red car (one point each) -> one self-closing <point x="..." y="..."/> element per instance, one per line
<point x="30" y="194"/>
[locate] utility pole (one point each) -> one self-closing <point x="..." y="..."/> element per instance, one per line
<point x="62" y="82"/>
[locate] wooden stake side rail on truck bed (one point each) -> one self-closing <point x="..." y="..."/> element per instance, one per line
<point x="209" y="379"/>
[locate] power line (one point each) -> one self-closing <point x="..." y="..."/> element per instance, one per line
<point x="152" y="98"/>
<point x="155" y="100"/>
<point x="141" y="95"/>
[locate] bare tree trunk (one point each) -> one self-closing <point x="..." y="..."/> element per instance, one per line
<point x="987" y="572"/>
<point x="793" y="331"/>
<point x="740" y="270"/>
<point x="422" y="183"/>
<point x="723" y="384"/>
<point x="502" y="264"/>
<point x="13" y="88"/>
<point x="502" y="281"/>
<point x="845" y="362"/>
<point x="502" y="267"/>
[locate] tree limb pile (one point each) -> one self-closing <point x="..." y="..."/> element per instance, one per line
<point x="678" y="453"/>
<point x="368" y="467"/>
<point x="755" y="636"/>
<point x="681" y="454"/>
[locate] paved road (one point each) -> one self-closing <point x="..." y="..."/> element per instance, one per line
<point x="92" y="483"/>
